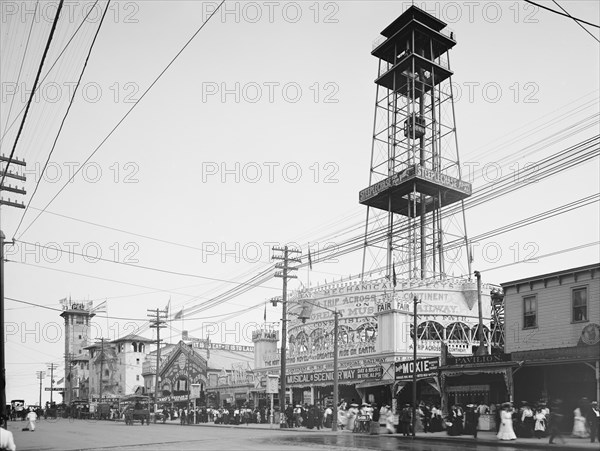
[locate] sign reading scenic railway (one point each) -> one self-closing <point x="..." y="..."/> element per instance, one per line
<point x="423" y="368"/>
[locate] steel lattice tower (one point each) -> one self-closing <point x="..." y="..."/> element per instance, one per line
<point x="416" y="194"/>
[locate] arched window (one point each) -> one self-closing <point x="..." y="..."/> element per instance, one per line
<point x="141" y="347"/>
<point x="106" y="372"/>
<point x="135" y="347"/>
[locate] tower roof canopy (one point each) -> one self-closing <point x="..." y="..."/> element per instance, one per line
<point x="133" y="337"/>
<point x="413" y="13"/>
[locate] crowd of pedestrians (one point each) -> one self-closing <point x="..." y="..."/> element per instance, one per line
<point x="541" y="420"/>
<point x="223" y="415"/>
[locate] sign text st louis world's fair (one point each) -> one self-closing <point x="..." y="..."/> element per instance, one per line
<point x="423" y="368"/>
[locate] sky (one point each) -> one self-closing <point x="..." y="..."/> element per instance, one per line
<point x="259" y="134"/>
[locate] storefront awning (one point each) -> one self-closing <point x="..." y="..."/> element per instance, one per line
<point x="367" y="384"/>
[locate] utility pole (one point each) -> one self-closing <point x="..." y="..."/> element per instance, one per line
<point x="481" y="350"/>
<point x="414" y="375"/>
<point x="158" y="320"/>
<point x="51" y="367"/>
<point x="101" y="369"/>
<point x="4" y="172"/>
<point x="40" y="375"/>
<point x="69" y="357"/>
<point x="285" y="275"/>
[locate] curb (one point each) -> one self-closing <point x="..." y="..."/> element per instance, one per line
<point x="251" y="426"/>
<point x="497" y="443"/>
<point x="543" y="444"/>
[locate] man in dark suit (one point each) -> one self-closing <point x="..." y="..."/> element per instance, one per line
<point x="592" y="418"/>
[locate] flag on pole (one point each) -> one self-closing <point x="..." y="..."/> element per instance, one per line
<point x="61" y="380"/>
<point x="394" y="274"/>
<point x="179" y="314"/>
<point x="100" y="308"/>
<point x="168" y="305"/>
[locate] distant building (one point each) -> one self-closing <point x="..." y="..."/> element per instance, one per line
<point x="553" y="332"/>
<point x="120" y="364"/>
<point x="77" y="317"/>
<point x="223" y="373"/>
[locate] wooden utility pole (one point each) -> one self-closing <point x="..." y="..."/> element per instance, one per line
<point x="285" y="275"/>
<point x="40" y="375"/>
<point x="101" y="369"/>
<point x="481" y="350"/>
<point x="5" y="172"/>
<point x="158" y="321"/>
<point x="51" y="367"/>
<point x="69" y="357"/>
<point x="414" y="375"/>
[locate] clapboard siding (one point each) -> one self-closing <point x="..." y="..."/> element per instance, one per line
<point x="555" y="327"/>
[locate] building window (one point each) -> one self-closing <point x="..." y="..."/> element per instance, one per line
<point x="137" y="377"/>
<point x="79" y="320"/>
<point x="80" y="337"/>
<point x="137" y="361"/>
<point x="529" y="312"/>
<point x="579" y="297"/>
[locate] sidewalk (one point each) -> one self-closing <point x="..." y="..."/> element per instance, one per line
<point x="483" y="437"/>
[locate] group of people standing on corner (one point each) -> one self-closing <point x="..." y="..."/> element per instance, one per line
<point x="541" y="421"/>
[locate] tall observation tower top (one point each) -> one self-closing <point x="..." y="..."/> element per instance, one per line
<point x="413" y="13"/>
<point x="415" y="180"/>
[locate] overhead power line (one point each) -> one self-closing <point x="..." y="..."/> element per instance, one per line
<point x="584" y="29"/>
<point x="84" y="20"/>
<point x="21" y="67"/>
<point x="136" y="103"/>
<point x="33" y="90"/>
<point x="561" y="14"/>
<point x="37" y="184"/>
<point x="131" y="265"/>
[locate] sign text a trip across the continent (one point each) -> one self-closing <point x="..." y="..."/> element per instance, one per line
<point x="423" y="368"/>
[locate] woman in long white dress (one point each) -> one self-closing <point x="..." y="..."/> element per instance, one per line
<point x="540" y="423"/>
<point x="351" y="416"/>
<point x="579" y="426"/>
<point x="506" y="431"/>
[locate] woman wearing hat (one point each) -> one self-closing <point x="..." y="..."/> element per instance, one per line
<point x="351" y="415"/>
<point x="579" y="425"/>
<point x="342" y="418"/>
<point x="540" y="423"/>
<point x="506" y="431"/>
<point x="527" y="421"/>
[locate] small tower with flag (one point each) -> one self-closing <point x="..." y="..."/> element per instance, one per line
<point x="77" y="315"/>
